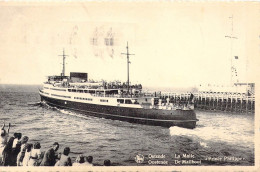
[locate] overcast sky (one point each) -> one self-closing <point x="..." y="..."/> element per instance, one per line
<point x="175" y="44"/>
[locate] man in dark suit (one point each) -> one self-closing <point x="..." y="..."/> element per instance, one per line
<point x="49" y="158"/>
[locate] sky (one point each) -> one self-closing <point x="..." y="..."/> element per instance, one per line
<point x="175" y="44"/>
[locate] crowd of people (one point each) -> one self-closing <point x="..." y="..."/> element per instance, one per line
<point x="17" y="151"/>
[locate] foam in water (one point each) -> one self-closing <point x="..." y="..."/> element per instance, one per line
<point x="206" y="134"/>
<point x="35" y="104"/>
<point x="204" y="144"/>
<point x="72" y="113"/>
<point x="178" y="131"/>
<point x="65" y="111"/>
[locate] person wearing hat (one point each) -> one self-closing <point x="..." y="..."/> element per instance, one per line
<point x="49" y="158"/>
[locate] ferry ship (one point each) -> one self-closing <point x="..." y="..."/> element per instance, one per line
<point x="114" y="100"/>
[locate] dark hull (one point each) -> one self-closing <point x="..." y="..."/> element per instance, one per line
<point x="164" y="118"/>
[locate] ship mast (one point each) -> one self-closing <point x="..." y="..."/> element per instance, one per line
<point x="231" y="37"/>
<point x="127" y="55"/>
<point x="63" y="63"/>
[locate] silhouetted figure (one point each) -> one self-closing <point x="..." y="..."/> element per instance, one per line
<point x="49" y="158"/>
<point x="7" y="152"/>
<point x="107" y="162"/>
<point x="16" y="147"/>
<point x="89" y="161"/>
<point x="191" y="97"/>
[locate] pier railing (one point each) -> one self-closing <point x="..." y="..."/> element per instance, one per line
<point x="231" y="102"/>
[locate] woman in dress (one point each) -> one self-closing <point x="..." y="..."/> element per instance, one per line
<point x="35" y="155"/>
<point x="27" y="155"/>
<point x="21" y="154"/>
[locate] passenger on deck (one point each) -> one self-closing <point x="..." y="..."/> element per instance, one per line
<point x="35" y="155"/>
<point x="191" y="97"/>
<point x="89" y="161"/>
<point x="49" y="158"/>
<point x="21" y="154"/>
<point x="65" y="160"/>
<point x="79" y="161"/>
<point x="27" y="155"/>
<point x="107" y="162"/>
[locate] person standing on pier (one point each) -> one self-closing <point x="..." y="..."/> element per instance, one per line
<point x="3" y="140"/>
<point x="27" y="155"/>
<point x="16" y="148"/>
<point x="7" y="152"/>
<point x="79" y="161"/>
<point x="21" y="154"/>
<point x="65" y="160"/>
<point x="107" y="162"/>
<point x="35" y="155"/>
<point x="89" y="161"/>
<point x="49" y="158"/>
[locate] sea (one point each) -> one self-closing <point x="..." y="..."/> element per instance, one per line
<point x="220" y="138"/>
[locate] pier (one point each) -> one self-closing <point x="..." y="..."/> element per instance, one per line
<point x="227" y="102"/>
<point x="239" y="98"/>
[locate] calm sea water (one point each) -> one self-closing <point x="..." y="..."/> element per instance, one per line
<point x="218" y="135"/>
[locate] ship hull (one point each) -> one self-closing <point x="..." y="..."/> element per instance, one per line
<point x="164" y="118"/>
